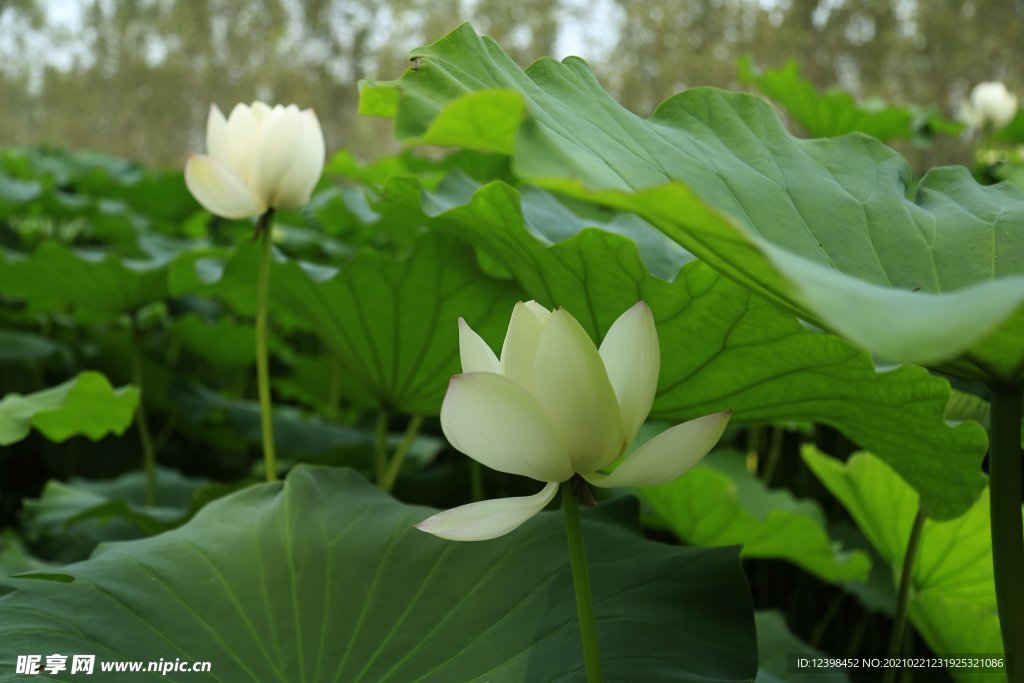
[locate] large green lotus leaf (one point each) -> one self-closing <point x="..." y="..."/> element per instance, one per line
<point x="823" y="226"/>
<point x="15" y="194"/>
<point x="324" y="578"/>
<point x="391" y="322"/>
<point x="298" y="435"/>
<point x="722" y="347"/>
<point x="222" y="342"/>
<point x="835" y="112"/>
<point x="85" y="405"/>
<point x="69" y="519"/>
<point x="116" y="197"/>
<point x="15" y="558"/>
<point x="952" y="601"/>
<point x="20" y="346"/>
<point x="776" y="644"/>
<point x="92" y="285"/>
<point x="720" y="503"/>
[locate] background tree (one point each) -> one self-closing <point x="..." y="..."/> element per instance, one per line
<point x="135" y="78"/>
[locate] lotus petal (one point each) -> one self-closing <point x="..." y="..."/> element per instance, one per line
<point x="475" y="353"/>
<point x="668" y="455"/>
<point x="219" y="190"/>
<point x="632" y="358"/>
<point x="499" y="424"/>
<point x="520" y="347"/>
<point x="487" y="519"/>
<point x="572" y="386"/>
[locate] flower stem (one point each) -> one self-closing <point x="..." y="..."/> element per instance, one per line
<point x="262" y="365"/>
<point x="141" y="420"/>
<point x="1004" y="466"/>
<point x="774" y="453"/>
<point x="395" y="466"/>
<point x="903" y="595"/>
<point x="581" y="583"/>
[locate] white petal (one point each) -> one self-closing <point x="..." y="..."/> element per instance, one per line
<point x="278" y="147"/>
<point x="487" y="519"/>
<point x="297" y="184"/>
<point x="476" y="354"/>
<point x="992" y="102"/>
<point x="261" y="110"/>
<point x="538" y="310"/>
<point x="632" y="358"/>
<point x="573" y="388"/>
<point x="668" y="455"/>
<point x="219" y="190"/>
<point x="243" y="136"/>
<point x="520" y="347"/>
<point x="497" y="423"/>
<point x="217" y="137"/>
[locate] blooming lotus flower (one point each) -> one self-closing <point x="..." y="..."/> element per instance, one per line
<point x="554" y="406"/>
<point x="990" y="104"/>
<point x="259" y="158"/>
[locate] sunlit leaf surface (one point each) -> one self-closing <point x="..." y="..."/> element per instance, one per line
<point x="824" y="227"/>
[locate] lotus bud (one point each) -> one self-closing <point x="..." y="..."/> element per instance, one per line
<point x="991" y="105"/>
<point x="257" y="159"/>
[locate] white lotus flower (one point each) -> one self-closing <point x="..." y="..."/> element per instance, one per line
<point x="553" y="406"/>
<point x="259" y="158"/>
<point x="990" y="104"/>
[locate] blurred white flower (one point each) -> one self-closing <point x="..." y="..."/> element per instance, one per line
<point x="991" y="105"/>
<point x="259" y="158"/>
<point x="553" y="406"/>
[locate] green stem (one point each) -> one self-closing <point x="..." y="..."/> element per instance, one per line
<point x="903" y="595"/>
<point x="380" y="453"/>
<point x="581" y="582"/>
<point x="826" y="619"/>
<point x="1004" y="467"/>
<point x="395" y="466"/>
<point x="141" y="420"/>
<point x="754" y="437"/>
<point x="774" y="453"/>
<point x="857" y="634"/>
<point x="262" y="365"/>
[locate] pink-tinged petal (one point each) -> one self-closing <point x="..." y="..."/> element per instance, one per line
<point x="576" y="395"/>
<point x="668" y="455"/>
<point x="219" y="190"/>
<point x="520" y="347"/>
<point x="217" y="145"/>
<point x="296" y="186"/>
<point x="487" y="519"/>
<point x="277" y="148"/>
<point x="499" y="424"/>
<point x="475" y="353"/>
<point x="632" y="357"/>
